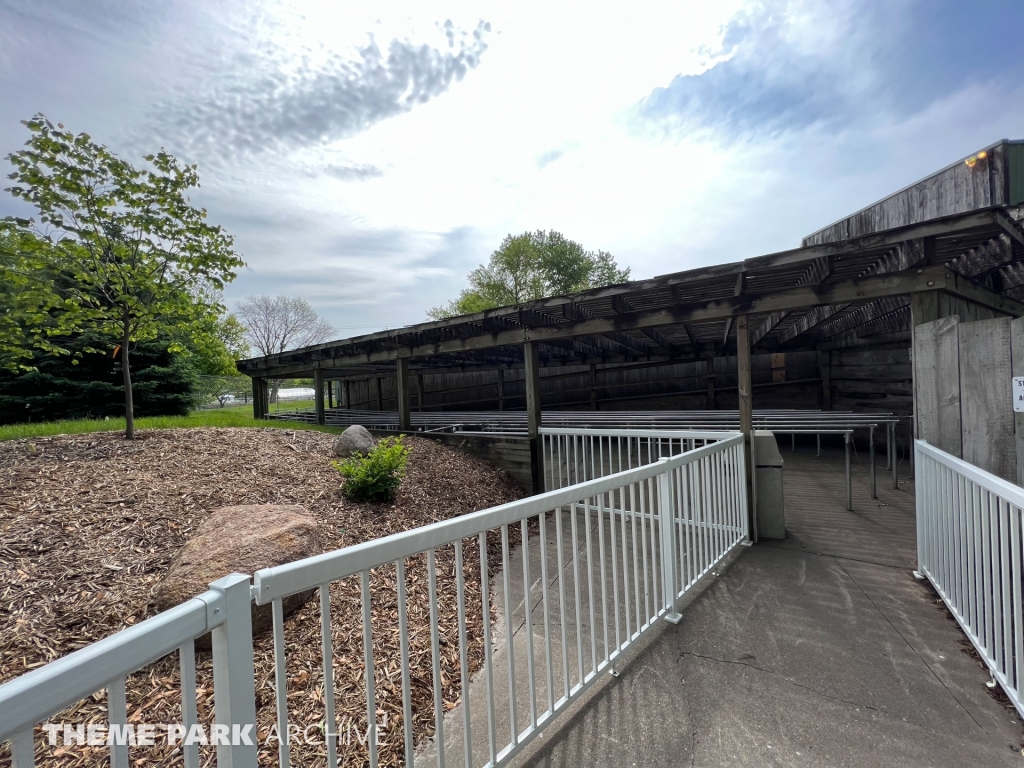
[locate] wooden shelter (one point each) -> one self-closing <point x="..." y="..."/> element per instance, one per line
<point x="951" y="244"/>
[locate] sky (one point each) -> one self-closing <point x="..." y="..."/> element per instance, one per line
<point x="367" y="156"/>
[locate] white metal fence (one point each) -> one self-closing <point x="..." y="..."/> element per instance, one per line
<point x="969" y="548"/>
<point x="599" y="562"/>
<point x="574" y="455"/>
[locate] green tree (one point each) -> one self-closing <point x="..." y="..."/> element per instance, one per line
<point x="531" y="266"/>
<point x="139" y="259"/>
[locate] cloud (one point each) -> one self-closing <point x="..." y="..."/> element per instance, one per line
<point x="267" y="105"/>
<point x="546" y="158"/>
<point x="353" y="172"/>
<point x="785" y="65"/>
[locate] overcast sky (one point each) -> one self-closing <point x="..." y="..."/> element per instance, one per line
<point x="367" y="157"/>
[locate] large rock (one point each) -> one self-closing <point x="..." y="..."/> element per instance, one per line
<point x="240" y="539"/>
<point x="354" y="441"/>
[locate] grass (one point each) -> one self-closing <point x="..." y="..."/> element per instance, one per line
<point x="231" y="416"/>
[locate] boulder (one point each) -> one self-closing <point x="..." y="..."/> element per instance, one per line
<point x="240" y="539"/>
<point x="354" y="441"/>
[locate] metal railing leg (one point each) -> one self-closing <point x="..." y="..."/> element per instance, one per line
<point x="792" y="436"/>
<point x="666" y="512"/>
<point x="818" y="435"/>
<point x="234" y="691"/>
<point x="871" y="455"/>
<point x="888" y="446"/>
<point x="895" y="464"/>
<point x="849" y="487"/>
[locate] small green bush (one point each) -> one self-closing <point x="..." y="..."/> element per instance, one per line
<point x="376" y="476"/>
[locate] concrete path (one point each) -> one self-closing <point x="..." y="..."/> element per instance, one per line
<point x="818" y="650"/>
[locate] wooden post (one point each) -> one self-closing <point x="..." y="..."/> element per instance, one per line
<point x="318" y="395"/>
<point x="380" y="393"/>
<point x="501" y="389"/>
<point x="533" y="414"/>
<point x="746" y="412"/>
<point x="346" y="394"/>
<point x="402" y="375"/>
<point x="260" y="398"/>
<point x="710" y="368"/>
<point x="825" y="372"/>
<point x="924" y="307"/>
<point x="330" y="395"/>
<point x="593" y="386"/>
<point x="419" y="391"/>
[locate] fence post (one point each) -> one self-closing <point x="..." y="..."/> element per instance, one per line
<point x="920" y="488"/>
<point x="233" y="687"/>
<point x="666" y="511"/>
<point x="742" y="485"/>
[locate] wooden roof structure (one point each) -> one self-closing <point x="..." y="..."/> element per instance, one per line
<point x="956" y="232"/>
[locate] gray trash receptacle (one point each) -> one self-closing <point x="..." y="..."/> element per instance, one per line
<point x="771" y="512"/>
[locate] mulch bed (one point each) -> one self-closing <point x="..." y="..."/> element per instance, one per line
<point x="89" y="523"/>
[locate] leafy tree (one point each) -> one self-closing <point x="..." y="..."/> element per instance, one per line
<point x="276" y="324"/>
<point x="139" y="259"/>
<point x="531" y="266"/>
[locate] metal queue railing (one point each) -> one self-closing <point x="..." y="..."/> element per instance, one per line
<point x="599" y="563"/>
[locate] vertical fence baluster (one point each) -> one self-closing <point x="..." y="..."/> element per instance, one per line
<point x="590" y="590"/>
<point x="550" y="679"/>
<point x="560" y="562"/>
<point x="189" y="708"/>
<point x="636" y="558"/>
<point x="117" y="714"/>
<point x="403" y="642"/>
<point x="1015" y="578"/>
<point x="327" y="651"/>
<point x="485" y="603"/>
<point x="528" y="611"/>
<point x="280" y="683"/>
<point x="371" y="683"/>
<point x="636" y="491"/>
<point x="599" y="514"/>
<point x="435" y="652"/>
<point x="1004" y="591"/>
<point x="615" y="571"/>
<point x="574" y="526"/>
<point x="23" y="749"/>
<point x="506" y="564"/>
<point x="460" y="590"/>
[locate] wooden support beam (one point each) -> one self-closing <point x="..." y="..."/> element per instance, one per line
<point x="330" y="395"/>
<point x="533" y="414"/>
<point x="402" y="381"/>
<point x="851" y="290"/>
<point x="658" y="338"/>
<point x="380" y="393"/>
<point x="346" y="394"/>
<point x="817" y="272"/>
<point x="419" y="391"/>
<point x="746" y="407"/>
<point x="593" y="387"/>
<point x="260" y="398"/>
<point x="318" y="396"/>
<point x="825" y="373"/>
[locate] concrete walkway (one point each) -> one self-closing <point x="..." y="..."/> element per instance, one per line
<point x="818" y="650"/>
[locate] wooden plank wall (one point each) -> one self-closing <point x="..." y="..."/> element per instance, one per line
<point x="956" y="189"/>
<point x="938" y="383"/>
<point x="964" y="401"/>
<point x="777" y="380"/>
<point x="985" y="398"/>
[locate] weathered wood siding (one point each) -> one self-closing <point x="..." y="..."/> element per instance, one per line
<point x="937" y="378"/>
<point x="985" y="398"/>
<point x="955" y="189"/>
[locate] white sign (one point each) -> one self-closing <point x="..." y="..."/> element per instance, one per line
<point x="1018" y="394"/>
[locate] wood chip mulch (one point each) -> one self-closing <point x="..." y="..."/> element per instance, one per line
<point x="89" y="524"/>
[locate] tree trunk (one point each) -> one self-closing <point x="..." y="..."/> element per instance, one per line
<point x="129" y="413"/>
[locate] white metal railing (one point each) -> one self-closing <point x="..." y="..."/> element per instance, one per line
<point x="969" y="548"/>
<point x="599" y="563"/>
<point x="224" y="610"/>
<point x="573" y="455"/>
